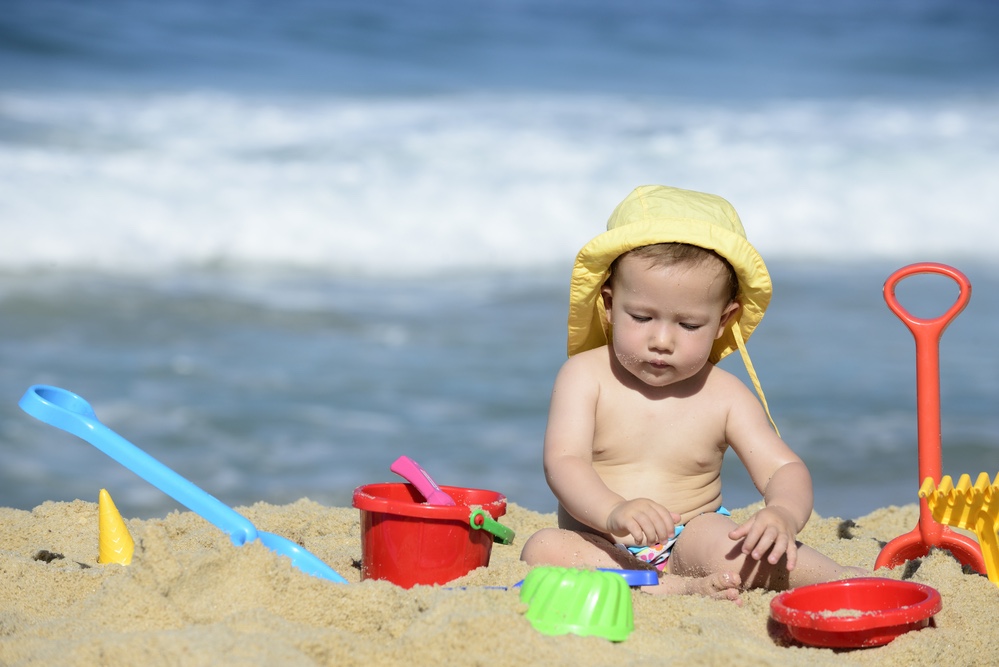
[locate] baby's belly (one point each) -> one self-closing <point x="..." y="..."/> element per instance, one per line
<point x="687" y="496"/>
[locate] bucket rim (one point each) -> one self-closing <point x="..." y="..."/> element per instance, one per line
<point x="366" y="501"/>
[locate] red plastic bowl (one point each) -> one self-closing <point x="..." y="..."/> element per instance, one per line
<point x="855" y="613"/>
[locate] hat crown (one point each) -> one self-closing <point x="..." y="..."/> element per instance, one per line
<point x="661" y="203"/>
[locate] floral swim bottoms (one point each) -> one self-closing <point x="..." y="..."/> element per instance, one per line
<point x="657" y="554"/>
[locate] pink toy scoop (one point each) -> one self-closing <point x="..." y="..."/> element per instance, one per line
<point x="411" y="471"/>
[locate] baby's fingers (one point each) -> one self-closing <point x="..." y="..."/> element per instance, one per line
<point x="759" y="538"/>
<point x="644" y="520"/>
<point x="778" y="547"/>
<point x="740" y="531"/>
<point x="792" y="554"/>
<point x="784" y="546"/>
<point x="749" y="532"/>
<point x="632" y="525"/>
<point x="775" y="544"/>
<point x="652" y="529"/>
<point x="763" y="543"/>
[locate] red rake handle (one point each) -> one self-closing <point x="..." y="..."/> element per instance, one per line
<point x="927" y="333"/>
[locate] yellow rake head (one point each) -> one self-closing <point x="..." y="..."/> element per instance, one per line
<point x="968" y="506"/>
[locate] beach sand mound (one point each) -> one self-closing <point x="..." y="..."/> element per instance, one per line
<point x="192" y="598"/>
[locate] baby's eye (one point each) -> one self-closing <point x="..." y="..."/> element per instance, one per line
<point x="690" y="327"/>
<point x="640" y="318"/>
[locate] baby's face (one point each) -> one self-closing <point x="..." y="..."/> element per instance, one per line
<point x="665" y="319"/>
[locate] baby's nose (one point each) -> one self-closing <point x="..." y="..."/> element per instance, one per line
<point x="662" y="339"/>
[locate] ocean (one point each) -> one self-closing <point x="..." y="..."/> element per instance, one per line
<point x="278" y="245"/>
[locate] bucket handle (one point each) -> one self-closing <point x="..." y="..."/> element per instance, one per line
<point x="480" y="520"/>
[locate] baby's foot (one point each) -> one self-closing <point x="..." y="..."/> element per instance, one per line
<point x="717" y="585"/>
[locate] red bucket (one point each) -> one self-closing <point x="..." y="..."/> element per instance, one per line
<point x="408" y="542"/>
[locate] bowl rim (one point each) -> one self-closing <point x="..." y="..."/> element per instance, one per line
<point x="927" y="603"/>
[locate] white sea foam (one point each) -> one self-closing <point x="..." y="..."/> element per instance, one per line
<point x="413" y="185"/>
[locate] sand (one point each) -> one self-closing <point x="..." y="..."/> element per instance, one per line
<point x="192" y="598"/>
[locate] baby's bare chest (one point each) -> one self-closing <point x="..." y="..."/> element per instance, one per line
<point x="683" y="434"/>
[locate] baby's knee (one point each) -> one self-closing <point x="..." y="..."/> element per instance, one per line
<point x="542" y="547"/>
<point x="704" y="547"/>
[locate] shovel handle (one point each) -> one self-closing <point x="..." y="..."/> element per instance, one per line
<point x="72" y="413"/>
<point x="927" y="333"/>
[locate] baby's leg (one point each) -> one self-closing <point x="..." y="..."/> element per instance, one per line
<point x="567" y="548"/>
<point x="705" y="547"/>
<point x="816" y="568"/>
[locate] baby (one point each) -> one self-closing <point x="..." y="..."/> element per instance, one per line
<point x="641" y="417"/>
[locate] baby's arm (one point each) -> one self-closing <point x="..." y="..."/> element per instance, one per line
<point x="781" y="477"/>
<point x="568" y="460"/>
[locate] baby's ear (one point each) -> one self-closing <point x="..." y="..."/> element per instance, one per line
<point x="730" y="312"/>
<point x="608" y="297"/>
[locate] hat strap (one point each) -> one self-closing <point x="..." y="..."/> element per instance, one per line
<point x="741" y="344"/>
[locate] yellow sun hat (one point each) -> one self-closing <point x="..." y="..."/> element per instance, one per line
<point x="660" y="214"/>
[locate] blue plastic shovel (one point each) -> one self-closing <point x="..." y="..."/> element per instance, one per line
<point x="73" y="414"/>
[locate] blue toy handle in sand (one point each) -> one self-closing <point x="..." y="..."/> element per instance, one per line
<point x="634" y="578"/>
<point x="72" y="413"/>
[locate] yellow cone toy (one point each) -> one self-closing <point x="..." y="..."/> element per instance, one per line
<point x="115" y="544"/>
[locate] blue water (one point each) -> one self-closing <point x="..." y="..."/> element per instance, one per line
<point x="277" y="245"/>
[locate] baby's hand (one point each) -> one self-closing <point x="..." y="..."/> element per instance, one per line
<point x="646" y="521"/>
<point x="772" y="530"/>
